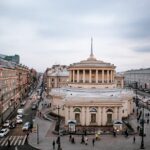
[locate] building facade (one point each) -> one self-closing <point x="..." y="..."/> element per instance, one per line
<point x="92" y="97"/>
<point x="56" y="77"/>
<point x="15" y="83"/>
<point x="141" y="76"/>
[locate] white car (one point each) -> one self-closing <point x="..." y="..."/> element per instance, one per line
<point x="6" y="123"/>
<point x="19" y="120"/>
<point x="26" y="126"/>
<point x="4" y="132"/>
<point x="19" y="116"/>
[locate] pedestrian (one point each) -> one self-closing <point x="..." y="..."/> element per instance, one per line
<point x="82" y="139"/>
<point x="86" y="140"/>
<point x="133" y="139"/>
<point x="70" y="137"/>
<point x="53" y="144"/>
<point x="147" y="121"/>
<point x="93" y="141"/>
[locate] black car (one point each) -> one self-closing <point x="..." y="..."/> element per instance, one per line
<point x="34" y="106"/>
<point x="12" y="125"/>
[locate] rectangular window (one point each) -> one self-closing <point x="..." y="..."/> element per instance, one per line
<point x="93" y="118"/>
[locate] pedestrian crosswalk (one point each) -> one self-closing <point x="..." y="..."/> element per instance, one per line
<point x="14" y="140"/>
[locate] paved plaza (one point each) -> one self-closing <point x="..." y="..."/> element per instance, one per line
<point x="107" y="142"/>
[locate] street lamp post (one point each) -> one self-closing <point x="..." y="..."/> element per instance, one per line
<point x="142" y="141"/>
<point x="59" y="142"/>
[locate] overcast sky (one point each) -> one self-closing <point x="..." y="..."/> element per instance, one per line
<point x="47" y="32"/>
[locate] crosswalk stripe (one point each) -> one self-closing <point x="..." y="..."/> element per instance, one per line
<point x="9" y="140"/>
<point x="1" y="140"/>
<point x="24" y="140"/>
<point x="20" y="140"/>
<point x="13" y="140"/>
<point x="5" y="140"/>
<point x="16" y="140"/>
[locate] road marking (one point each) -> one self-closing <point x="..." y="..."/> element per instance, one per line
<point x="20" y="140"/>
<point x="17" y="140"/>
<point x="9" y="140"/>
<point x="5" y="140"/>
<point x="24" y="140"/>
<point x="1" y="140"/>
<point x="13" y="140"/>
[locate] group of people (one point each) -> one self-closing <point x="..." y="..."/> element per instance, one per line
<point x="84" y="140"/>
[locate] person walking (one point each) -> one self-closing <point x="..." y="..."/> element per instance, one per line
<point x="53" y="144"/>
<point x="93" y="141"/>
<point x="70" y="137"/>
<point x="133" y="139"/>
<point x="86" y="140"/>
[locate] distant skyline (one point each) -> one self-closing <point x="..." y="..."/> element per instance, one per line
<point x="48" y="32"/>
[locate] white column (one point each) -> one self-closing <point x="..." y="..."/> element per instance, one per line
<point x="96" y="76"/>
<point x="99" y="116"/>
<point x="104" y="116"/>
<point x="102" y="76"/>
<point x="87" y="116"/>
<point x="73" y="76"/>
<point x="115" y="113"/>
<point x="83" y="116"/>
<point x="66" y="115"/>
<point x="107" y="76"/>
<point x="120" y="113"/>
<point x="77" y="76"/>
<point x="71" y="113"/>
<point x="83" y="76"/>
<point x="90" y="76"/>
<point x="111" y="76"/>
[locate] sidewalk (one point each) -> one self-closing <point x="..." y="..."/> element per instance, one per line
<point x="107" y="142"/>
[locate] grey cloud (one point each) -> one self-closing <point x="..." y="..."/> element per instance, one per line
<point x="144" y="49"/>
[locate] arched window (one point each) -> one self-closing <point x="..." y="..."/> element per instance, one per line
<point x="109" y="110"/>
<point x="77" y="110"/>
<point x="93" y="109"/>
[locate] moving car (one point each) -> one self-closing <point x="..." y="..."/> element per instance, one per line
<point x="6" y="123"/>
<point x="4" y="132"/>
<point x="26" y="126"/>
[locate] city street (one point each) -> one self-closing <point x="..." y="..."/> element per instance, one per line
<point x="18" y="137"/>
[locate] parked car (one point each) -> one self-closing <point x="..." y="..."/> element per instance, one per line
<point x="12" y="125"/>
<point x="6" y="123"/>
<point x="23" y="103"/>
<point x="19" y="120"/>
<point x="20" y="111"/>
<point x="34" y="106"/>
<point x="26" y="126"/>
<point x="19" y="116"/>
<point x="4" y="132"/>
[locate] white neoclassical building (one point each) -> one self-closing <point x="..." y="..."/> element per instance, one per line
<point x="92" y="97"/>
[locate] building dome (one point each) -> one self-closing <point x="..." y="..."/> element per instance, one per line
<point x="92" y="73"/>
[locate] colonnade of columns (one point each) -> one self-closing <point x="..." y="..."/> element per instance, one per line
<point x="91" y="76"/>
<point x="85" y="115"/>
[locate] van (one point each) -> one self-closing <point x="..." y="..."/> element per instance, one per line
<point x="20" y="111"/>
